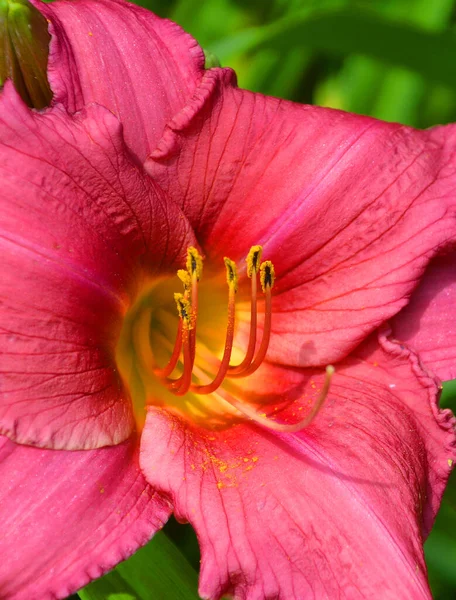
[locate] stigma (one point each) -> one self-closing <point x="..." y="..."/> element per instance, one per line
<point x="182" y="360"/>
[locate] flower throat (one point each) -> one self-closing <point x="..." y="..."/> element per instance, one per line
<point x="200" y="379"/>
<point x="185" y="345"/>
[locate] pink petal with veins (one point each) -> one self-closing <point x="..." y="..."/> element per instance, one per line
<point x="338" y="510"/>
<point x="350" y="209"/>
<point x="428" y="322"/>
<point x="81" y="224"/>
<point x="68" y="517"/>
<point x="143" y="68"/>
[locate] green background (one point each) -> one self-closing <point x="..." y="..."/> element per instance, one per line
<point x="391" y="59"/>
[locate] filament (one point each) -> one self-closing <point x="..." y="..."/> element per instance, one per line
<point x="253" y="266"/>
<point x="267" y="277"/>
<point x="172" y="363"/>
<point x="218" y="380"/>
<point x="261" y="354"/>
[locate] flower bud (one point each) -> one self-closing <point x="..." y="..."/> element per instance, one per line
<point x="24" y="50"/>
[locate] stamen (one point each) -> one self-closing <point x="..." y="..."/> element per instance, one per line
<point x="187" y="307"/>
<point x="253" y="266"/>
<point x="195" y="271"/>
<point x="284" y="427"/>
<point x="232" y="280"/>
<point x="186" y="379"/>
<point x="267" y="278"/>
<point x="182" y="309"/>
<point x="180" y="385"/>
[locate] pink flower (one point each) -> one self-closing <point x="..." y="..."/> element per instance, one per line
<point x="142" y="156"/>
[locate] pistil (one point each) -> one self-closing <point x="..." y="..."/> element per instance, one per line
<point x="252" y="414"/>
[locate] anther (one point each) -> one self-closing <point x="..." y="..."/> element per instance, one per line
<point x="231" y="274"/>
<point x="253" y="260"/>
<point x="267" y="275"/>
<point x="183" y="309"/>
<point x="194" y="263"/>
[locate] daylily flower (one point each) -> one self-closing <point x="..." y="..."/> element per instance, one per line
<point x="132" y="187"/>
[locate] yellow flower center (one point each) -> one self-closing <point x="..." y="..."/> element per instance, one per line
<point x="186" y="359"/>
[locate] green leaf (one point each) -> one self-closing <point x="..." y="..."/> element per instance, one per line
<point x="440" y="547"/>
<point x="156" y="571"/>
<point x="448" y="397"/>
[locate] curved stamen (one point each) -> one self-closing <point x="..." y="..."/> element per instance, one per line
<point x="194" y="317"/>
<point x="194" y="270"/>
<point x="251" y="413"/>
<point x="184" y="309"/>
<point x="267" y="277"/>
<point x="171" y="365"/>
<point x="253" y="266"/>
<point x="231" y="273"/>
<point x="186" y="378"/>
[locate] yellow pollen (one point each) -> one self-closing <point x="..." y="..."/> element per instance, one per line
<point x="267" y="275"/>
<point x="253" y="260"/>
<point x="186" y="279"/>
<point x="194" y="262"/>
<point x="183" y="309"/>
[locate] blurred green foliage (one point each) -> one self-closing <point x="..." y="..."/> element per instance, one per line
<point x="391" y="59"/>
<point x="158" y="569"/>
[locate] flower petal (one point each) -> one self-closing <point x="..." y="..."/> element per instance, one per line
<point x="143" y="68"/>
<point x="350" y="209"/>
<point x="336" y="511"/>
<point x="80" y="223"/>
<point x="428" y="322"/>
<point x="68" y="517"/>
